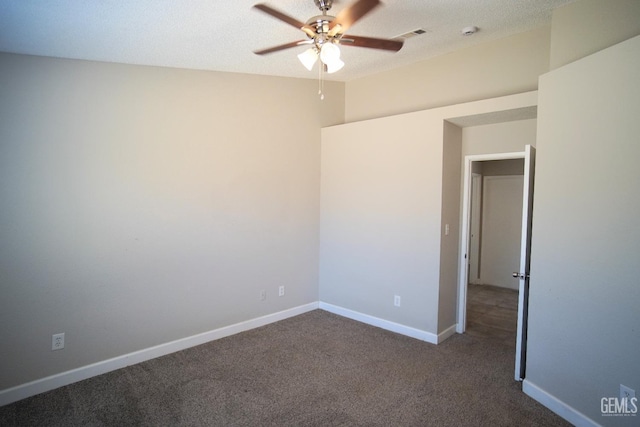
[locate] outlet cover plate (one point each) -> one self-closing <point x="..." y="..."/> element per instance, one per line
<point x="57" y="341"/>
<point x="626" y="392"/>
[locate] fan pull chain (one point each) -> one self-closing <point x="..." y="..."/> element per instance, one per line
<point x="320" y="81"/>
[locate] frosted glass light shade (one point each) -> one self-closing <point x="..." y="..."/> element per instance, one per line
<point x="308" y="58"/>
<point x="329" y="53"/>
<point x="335" y="65"/>
<point x="330" y="56"/>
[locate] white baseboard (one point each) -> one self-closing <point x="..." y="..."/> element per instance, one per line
<point x="447" y="333"/>
<point x="567" y="412"/>
<point x="381" y="323"/>
<point x="32" y="388"/>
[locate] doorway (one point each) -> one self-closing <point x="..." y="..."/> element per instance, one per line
<point x="494" y="245"/>
<point x="505" y="251"/>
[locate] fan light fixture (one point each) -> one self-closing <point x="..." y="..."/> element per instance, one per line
<point x="329" y="55"/>
<point x="309" y="57"/>
<point x="324" y="33"/>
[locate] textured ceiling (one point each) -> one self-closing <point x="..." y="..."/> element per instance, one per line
<point x="221" y="35"/>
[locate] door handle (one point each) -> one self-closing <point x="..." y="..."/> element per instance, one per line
<point x="519" y="275"/>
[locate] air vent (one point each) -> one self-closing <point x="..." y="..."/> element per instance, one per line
<point x="418" y="32"/>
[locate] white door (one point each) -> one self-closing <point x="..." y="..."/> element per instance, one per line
<point x="525" y="262"/>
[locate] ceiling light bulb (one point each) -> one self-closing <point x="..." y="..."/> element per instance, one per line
<point x="308" y="58"/>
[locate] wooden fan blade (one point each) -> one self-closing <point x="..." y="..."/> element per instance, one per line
<point x="282" y="47"/>
<point x="286" y="18"/>
<point x="347" y="17"/>
<point x="373" y="43"/>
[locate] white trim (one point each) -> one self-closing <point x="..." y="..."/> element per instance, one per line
<point x="451" y="330"/>
<point x="42" y="385"/>
<point x="464" y="247"/>
<point x="381" y="323"/>
<point x="476" y="193"/>
<point x="567" y="412"/>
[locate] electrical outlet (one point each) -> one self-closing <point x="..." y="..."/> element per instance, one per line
<point x="57" y="341"/>
<point x="396" y="300"/>
<point x="263" y="295"/>
<point x="626" y="392"/>
<point x="281" y="291"/>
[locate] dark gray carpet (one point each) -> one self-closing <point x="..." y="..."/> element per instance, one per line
<point x="316" y="369"/>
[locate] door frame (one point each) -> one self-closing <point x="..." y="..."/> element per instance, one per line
<point x="461" y="324"/>
<point x="475" y="221"/>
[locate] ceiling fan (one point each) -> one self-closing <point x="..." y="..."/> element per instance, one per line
<point x="325" y="32"/>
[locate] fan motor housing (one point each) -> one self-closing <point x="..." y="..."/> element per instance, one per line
<point x="320" y="23"/>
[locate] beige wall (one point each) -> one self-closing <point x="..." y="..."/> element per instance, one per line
<point x="496" y="68"/>
<point x="492" y="69"/>
<point x="449" y="225"/>
<point x="506" y="137"/>
<point x="142" y="205"/>
<point x="388" y="188"/>
<point x="503" y="167"/>
<point x="377" y="219"/>
<point x="583" y="307"/>
<point x="587" y="26"/>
